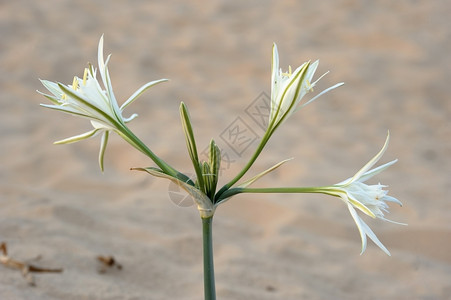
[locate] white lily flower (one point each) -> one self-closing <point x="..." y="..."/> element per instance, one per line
<point x="87" y="98"/>
<point x="370" y="199"/>
<point x="288" y="89"/>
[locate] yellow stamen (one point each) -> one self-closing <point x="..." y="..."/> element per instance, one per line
<point x="309" y="86"/>
<point x="85" y="76"/>
<point x="75" y="84"/>
<point x="289" y="72"/>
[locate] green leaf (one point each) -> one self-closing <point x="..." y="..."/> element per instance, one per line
<point x="214" y="163"/>
<point x="191" y="145"/>
<point x="258" y="176"/>
<point x="204" y="204"/>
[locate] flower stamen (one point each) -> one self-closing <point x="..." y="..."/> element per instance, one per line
<point x="75" y="83"/>
<point x="287" y="74"/>
<point x="85" y="76"/>
<point x="309" y="86"/>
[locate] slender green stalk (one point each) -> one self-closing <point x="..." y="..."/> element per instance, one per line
<point x="209" y="272"/>
<point x="246" y="167"/>
<point x="132" y="139"/>
<point x="280" y="190"/>
<point x="272" y="126"/>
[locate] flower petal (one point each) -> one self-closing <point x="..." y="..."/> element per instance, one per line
<point x="77" y="138"/>
<point x="92" y="110"/>
<point x="139" y="92"/>
<point x="364" y="231"/>
<point x="349" y="199"/>
<point x="358" y="221"/>
<point x="101" y="61"/>
<point x="103" y="69"/>
<point x="371" y="163"/>
<point x="376" y="171"/>
<point x="103" y="145"/>
<point x="274" y="68"/>
<point x="126" y="120"/>
<point x="289" y="94"/>
<point x="374" y="238"/>
<point x="52" y="87"/>
<point x="320" y="94"/>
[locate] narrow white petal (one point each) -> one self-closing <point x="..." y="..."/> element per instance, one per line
<point x="322" y="93"/>
<point x="376" y="171"/>
<point x="77" y="138"/>
<point x="103" y="145"/>
<point x="126" y="120"/>
<point x="374" y="238"/>
<point x="100" y="60"/>
<point x="274" y="68"/>
<point x="392" y="199"/>
<point x="394" y="222"/>
<point x="371" y="163"/>
<point x="112" y="98"/>
<point x="68" y="109"/>
<point x="311" y="71"/>
<point x="365" y="230"/>
<point x="139" y="92"/>
<point x="361" y="229"/>
<point x="52" y="87"/>
<point x="359" y="205"/>
<point x="101" y="125"/>
<point x="316" y="81"/>
<point x="96" y="95"/>
<point x="291" y="92"/>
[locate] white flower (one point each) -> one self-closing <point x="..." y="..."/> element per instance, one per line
<point x="288" y="89"/>
<point x="370" y="199"/>
<point x="87" y="98"/>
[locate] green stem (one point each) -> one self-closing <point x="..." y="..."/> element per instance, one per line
<point x="246" y="167"/>
<point x="282" y="190"/>
<point x="133" y="140"/>
<point x="274" y="123"/>
<point x="209" y="272"/>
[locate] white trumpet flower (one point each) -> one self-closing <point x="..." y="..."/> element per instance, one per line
<point x="370" y="199"/>
<point x="87" y="98"/>
<point x="288" y="89"/>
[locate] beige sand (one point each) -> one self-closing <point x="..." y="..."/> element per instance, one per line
<point x="394" y="58"/>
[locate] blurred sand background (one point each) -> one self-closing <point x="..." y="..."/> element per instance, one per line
<point x="394" y="57"/>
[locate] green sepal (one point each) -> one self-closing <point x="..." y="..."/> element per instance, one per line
<point x="214" y="164"/>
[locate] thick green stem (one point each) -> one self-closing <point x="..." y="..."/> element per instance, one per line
<point x="209" y="272"/>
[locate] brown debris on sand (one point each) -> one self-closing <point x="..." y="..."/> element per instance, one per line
<point x="26" y="268"/>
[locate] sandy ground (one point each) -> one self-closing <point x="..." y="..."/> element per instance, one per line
<point x="55" y="202"/>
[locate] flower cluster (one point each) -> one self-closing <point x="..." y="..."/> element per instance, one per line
<point x="88" y="98"/>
